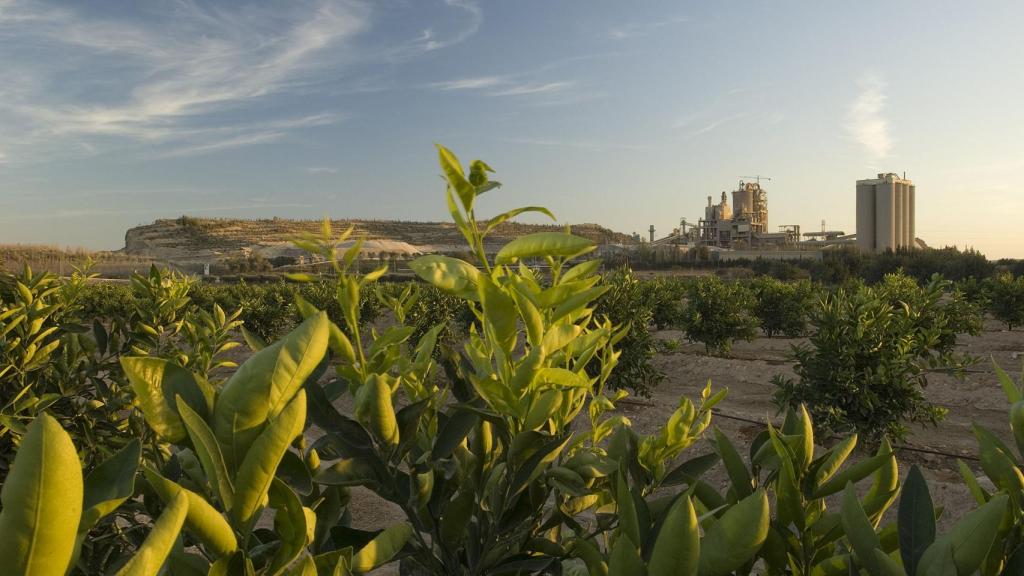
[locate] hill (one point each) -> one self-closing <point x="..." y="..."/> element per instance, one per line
<point x="189" y="239"/>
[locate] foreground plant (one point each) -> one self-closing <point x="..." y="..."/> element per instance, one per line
<point x="48" y="509"/>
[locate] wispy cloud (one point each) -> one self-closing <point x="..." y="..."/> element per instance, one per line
<point x="320" y="170"/>
<point x="532" y="88"/>
<point x="506" y="85"/>
<point x="594" y="145"/>
<point x="865" y="121"/>
<point x="697" y="124"/>
<point x="633" y="29"/>
<point x="161" y="81"/>
<point x="430" y="40"/>
<point x="470" y="83"/>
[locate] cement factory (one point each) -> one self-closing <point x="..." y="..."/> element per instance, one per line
<point x="885" y="221"/>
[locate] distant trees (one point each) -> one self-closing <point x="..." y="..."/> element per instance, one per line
<point x="1005" y="296"/>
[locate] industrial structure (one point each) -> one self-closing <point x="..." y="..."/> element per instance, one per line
<point x="744" y="224"/>
<point x="739" y="230"/>
<point x="886" y="213"/>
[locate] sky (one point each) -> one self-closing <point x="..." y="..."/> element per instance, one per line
<point x="628" y="114"/>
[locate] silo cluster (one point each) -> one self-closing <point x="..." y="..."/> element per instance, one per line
<point x="885" y="213"/>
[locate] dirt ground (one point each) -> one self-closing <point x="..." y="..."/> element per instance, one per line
<point x="748" y="372"/>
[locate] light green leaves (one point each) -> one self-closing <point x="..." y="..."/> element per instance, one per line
<point x="42" y="502"/>
<point x="151" y="555"/>
<point x="382" y="548"/>
<point x="735" y="537"/>
<point x="375" y="411"/>
<point x="209" y="454"/>
<point x="544" y="244"/>
<point x="677" y="550"/>
<point x="456" y="178"/>
<point x="859" y="530"/>
<point x="260" y="463"/>
<point x="967" y="542"/>
<point x="264" y="384"/>
<point x="156" y="382"/>
<point x="449" y="274"/>
<point x="202" y="520"/>
<point x="110" y="484"/>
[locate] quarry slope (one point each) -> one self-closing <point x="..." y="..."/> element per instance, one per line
<point x="188" y="239"/>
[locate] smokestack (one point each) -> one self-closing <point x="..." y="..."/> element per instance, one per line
<point x="652" y="232"/>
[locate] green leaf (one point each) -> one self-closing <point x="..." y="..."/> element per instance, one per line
<point x="209" y="453"/>
<point x="916" y="519"/>
<point x="859" y="530"/>
<point x="543" y="244"/>
<point x="156" y="382"/>
<point x="580" y="271"/>
<point x="375" y="411"/>
<point x="887" y="566"/>
<point x="834" y="459"/>
<point x="500" y="317"/>
<point x="734" y="539"/>
<point x="625" y="559"/>
<point x="110" y="484"/>
<point x="734" y="465"/>
<point x="853" y="474"/>
<point x="289" y="523"/>
<point x="629" y="524"/>
<point x="690" y="470"/>
<point x="453" y="173"/>
<point x="148" y="559"/>
<point x="969" y="541"/>
<point x="42" y="502"/>
<point x="449" y="274"/>
<point x="257" y="469"/>
<point x="202" y="520"/>
<point x="253" y="340"/>
<point x="348" y="472"/>
<point x="382" y="548"/>
<point x="500" y="218"/>
<point x="264" y="384"/>
<point x="1013" y="393"/>
<point x="677" y="549"/>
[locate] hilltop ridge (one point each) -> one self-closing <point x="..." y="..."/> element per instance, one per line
<point x="190" y="239"/>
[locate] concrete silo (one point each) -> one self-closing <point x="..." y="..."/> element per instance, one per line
<point x="885" y="213"/>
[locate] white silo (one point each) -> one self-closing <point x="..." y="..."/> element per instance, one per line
<point x="913" y="217"/>
<point x="885" y="213"/>
<point x="865" y="216"/>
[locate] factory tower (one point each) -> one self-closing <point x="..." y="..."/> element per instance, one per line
<point x="885" y="213"/>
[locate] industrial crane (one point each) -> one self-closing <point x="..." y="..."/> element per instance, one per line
<point x="756" y="178"/>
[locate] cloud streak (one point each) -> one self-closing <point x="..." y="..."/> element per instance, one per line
<point x="865" y="121"/>
<point x="161" y="81"/>
<point x="502" y="86"/>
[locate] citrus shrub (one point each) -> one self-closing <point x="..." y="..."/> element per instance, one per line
<point x="781" y="307"/>
<point x="871" y="348"/>
<point x="717" y="312"/>
<point x="629" y="305"/>
<point x="1005" y="296"/>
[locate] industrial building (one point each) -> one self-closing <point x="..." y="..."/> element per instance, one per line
<point x="886" y="213"/>
<point x="745" y="224"/>
<point x="885" y="221"/>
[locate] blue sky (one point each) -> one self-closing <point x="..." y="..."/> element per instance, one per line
<point x="623" y="113"/>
